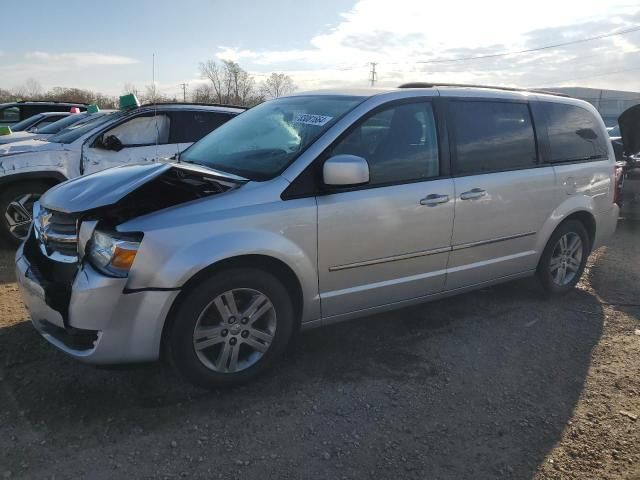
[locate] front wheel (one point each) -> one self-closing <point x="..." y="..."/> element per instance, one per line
<point x="564" y="257"/>
<point x="16" y="207"/>
<point x="231" y="327"/>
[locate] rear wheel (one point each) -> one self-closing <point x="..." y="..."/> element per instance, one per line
<point x="564" y="257"/>
<point x="230" y="328"/>
<point x="16" y="207"/>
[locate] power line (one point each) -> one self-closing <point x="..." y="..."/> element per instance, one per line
<point x="529" y="50"/>
<point x="614" y="72"/>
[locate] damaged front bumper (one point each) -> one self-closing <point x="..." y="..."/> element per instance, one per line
<point x="95" y="319"/>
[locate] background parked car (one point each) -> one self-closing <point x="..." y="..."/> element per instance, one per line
<point x="143" y="134"/>
<point x="44" y="132"/>
<point x="38" y="120"/>
<point x="14" y="112"/>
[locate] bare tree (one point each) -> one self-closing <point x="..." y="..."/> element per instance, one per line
<point x="31" y="90"/>
<point x="130" y="88"/>
<point x="64" y="94"/>
<point x="230" y="82"/>
<point x="210" y="70"/>
<point x="203" y="94"/>
<point x="152" y="94"/>
<point x="6" y="95"/>
<point x="277" y="85"/>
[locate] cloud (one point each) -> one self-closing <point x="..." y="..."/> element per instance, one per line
<point x="82" y="59"/>
<point x="399" y="35"/>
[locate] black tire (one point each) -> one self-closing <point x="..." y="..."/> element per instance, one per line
<point x="545" y="274"/>
<point x="180" y="339"/>
<point x="7" y="195"/>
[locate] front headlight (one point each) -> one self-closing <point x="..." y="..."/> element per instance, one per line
<point x="112" y="253"/>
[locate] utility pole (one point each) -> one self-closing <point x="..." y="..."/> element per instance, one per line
<point x="374" y="75"/>
<point x="184" y="91"/>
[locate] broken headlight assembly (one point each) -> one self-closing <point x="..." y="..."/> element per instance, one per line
<point x="112" y="253"/>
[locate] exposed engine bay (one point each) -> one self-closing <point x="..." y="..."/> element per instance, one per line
<point x="57" y="240"/>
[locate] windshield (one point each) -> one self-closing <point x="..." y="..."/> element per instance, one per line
<point x="74" y="132"/>
<point x="260" y="143"/>
<point x="615" y="131"/>
<point x="26" y="123"/>
<point x="55" y="127"/>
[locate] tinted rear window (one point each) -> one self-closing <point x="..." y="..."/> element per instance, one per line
<point x="574" y="133"/>
<point x="492" y="136"/>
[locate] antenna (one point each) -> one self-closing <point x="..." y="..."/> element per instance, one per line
<point x="155" y="102"/>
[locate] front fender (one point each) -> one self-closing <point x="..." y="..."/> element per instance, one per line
<point x="57" y="162"/>
<point x="173" y="252"/>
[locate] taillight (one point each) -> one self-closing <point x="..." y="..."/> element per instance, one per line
<point x="617" y="188"/>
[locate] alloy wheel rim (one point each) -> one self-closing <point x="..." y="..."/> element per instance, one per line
<point x="18" y="215"/>
<point x="566" y="259"/>
<point x="235" y="330"/>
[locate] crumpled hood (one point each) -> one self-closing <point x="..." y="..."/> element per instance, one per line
<point x="629" y="122"/>
<point x="100" y="189"/>
<point x="109" y="186"/>
<point x="30" y="145"/>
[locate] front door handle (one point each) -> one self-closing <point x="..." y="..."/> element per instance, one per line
<point x="473" y="194"/>
<point x="434" y="199"/>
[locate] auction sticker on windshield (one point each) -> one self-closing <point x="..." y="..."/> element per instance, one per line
<point x="311" y="119"/>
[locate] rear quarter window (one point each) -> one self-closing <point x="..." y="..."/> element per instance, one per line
<point x="574" y="133"/>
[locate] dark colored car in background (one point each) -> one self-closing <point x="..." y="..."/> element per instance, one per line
<point x="14" y="112"/>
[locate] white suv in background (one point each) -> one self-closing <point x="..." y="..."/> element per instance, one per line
<point x="144" y="134"/>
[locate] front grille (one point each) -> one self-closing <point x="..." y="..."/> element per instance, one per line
<point x="57" y="234"/>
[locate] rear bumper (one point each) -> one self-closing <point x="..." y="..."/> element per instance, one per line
<point x="103" y="325"/>
<point x="606" y="225"/>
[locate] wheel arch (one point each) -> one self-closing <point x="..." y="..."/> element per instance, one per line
<point x="266" y="263"/>
<point x="52" y="178"/>
<point x="588" y="221"/>
<point x="574" y="207"/>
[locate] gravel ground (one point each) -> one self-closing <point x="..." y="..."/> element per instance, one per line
<point x="499" y="383"/>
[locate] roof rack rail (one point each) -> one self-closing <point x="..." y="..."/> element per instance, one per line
<point x="470" y="85"/>
<point x="195" y="103"/>
<point x="51" y="101"/>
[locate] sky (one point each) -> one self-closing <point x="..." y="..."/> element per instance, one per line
<point x="320" y="43"/>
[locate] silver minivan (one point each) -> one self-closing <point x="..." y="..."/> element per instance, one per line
<point x="313" y="209"/>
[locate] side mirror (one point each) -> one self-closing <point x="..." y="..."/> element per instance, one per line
<point x="111" y="142"/>
<point x="345" y="171"/>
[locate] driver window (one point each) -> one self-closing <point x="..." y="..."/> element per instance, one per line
<point x="399" y="143"/>
<point x="140" y="131"/>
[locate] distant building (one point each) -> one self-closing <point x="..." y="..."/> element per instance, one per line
<point x="610" y="103"/>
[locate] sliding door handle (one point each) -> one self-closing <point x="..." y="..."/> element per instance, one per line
<point x="434" y="199"/>
<point x="473" y="194"/>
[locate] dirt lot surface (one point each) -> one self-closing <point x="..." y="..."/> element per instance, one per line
<point x="499" y="383"/>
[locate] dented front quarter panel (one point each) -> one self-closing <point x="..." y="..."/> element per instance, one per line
<point x="55" y="158"/>
<point x="183" y="240"/>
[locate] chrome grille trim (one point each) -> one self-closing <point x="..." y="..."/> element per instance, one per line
<point x="56" y="233"/>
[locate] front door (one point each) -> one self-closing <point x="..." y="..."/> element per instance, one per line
<point x="144" y="138"/>
<point x="387" y="241"/>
